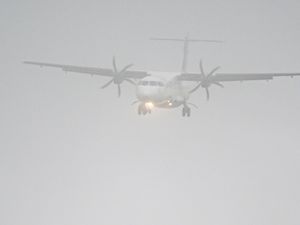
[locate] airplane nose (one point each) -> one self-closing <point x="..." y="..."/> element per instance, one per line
<point x="144" y="93"/>
<point x="148" y="94"/>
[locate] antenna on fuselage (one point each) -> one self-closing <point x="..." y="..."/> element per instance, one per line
<point x="186" y="42"/>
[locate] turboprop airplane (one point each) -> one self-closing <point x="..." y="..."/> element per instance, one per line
<point x="155" y="89"/>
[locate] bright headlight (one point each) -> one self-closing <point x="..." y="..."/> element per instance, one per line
<point x="149" y="105"/>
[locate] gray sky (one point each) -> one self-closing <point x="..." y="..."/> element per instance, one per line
<point x="71" y="153"/>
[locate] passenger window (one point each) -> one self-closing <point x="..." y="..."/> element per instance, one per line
<point x="144" y="83"/>
<point x="152" y="83"/>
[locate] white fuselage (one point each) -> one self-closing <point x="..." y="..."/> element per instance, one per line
<point x="162" y="93"/>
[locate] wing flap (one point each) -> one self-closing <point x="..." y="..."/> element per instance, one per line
<point x="227" y="77"/>
<point x="90" y="70"/>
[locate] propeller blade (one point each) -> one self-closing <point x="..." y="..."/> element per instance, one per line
<point x="126" y="68"/>
<point x="107" y="84"/>
<point x="130" y="81"/>
<point x="207" y="94"/>
<point x="213" y="71"/>
<point x="219" y="84"/>
<point x="201" y="68"/>
<point x="114" y="65"/>
<point x="195" y="88"/>
<point x="119" y="90"/>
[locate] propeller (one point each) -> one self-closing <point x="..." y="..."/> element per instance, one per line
<point x="118" y="77"/>
<point x="207" y="81"/>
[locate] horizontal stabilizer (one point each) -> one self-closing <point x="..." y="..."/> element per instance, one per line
<point x="183" y="40"/>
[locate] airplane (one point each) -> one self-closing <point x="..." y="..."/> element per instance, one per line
<point x="155" y="90"/>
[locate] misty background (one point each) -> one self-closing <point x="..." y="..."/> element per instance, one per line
<point x="71" y="153"/>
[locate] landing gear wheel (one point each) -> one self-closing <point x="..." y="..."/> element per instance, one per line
<point x="142" y="110"/>
<point x="183" y="112"/>
<point x="186" y="111"/>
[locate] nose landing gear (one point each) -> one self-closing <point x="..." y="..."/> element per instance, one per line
<point x="146" y="108"/>
<point x="143" y="109"/>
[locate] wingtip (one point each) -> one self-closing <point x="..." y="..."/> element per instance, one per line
<point x="28" y="62"/>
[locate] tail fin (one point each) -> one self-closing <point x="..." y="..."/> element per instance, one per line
<point x="186" y="42"/>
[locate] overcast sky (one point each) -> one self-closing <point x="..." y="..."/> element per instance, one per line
<point x="71" y="153"/>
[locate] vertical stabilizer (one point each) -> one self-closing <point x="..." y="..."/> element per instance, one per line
<point x="186" y="41"/>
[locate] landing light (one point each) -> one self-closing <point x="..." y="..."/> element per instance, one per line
<point x="149" y="105"/>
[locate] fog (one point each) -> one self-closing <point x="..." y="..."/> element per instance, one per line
<point x="72" y="153"/>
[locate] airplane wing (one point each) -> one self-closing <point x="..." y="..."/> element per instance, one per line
<point x="91" y="70"/>
<point x="226" y="77"/>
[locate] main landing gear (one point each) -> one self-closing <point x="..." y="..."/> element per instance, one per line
<point x="146" y="108"/>
<point x="143" y="109"/>
<point x="186" y="111"/>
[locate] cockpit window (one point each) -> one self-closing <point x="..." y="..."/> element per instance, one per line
<point x="151" y="83"/>
<point x="144" y="83"/>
